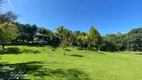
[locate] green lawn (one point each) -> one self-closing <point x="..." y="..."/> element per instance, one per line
<point x="41" y="63"/>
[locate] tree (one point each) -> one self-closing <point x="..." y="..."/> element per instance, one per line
<point x="78" y="40"/>
<point x="94" y="38"/>
<point x="8" y="32"/>
<point x="59" y="32"/>
<point x="34" y="30"/>
<point x="8" y="17"/>
<point x="71" y="37"/>
<point x="134" y="40"/>
<point x="108" y="44"/>
<point x="26" y="32"/>
<point x="120" y="41"/>
<point x="5" y="21"/>
<point x="64" y="45"/>
<point x="22" y="32"/>
<point x="64" y="34"/>
<point x="84" y="40"/>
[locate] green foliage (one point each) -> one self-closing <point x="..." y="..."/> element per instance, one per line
<point x="134" y="42"/>
<point x="7" y="17"/>
<point x="94" y="37"/>
<point x="109" y="46"/>
<point x="8" y="32"/>
<point x="131" y="41"/>
<point x="59" y="33"/>
<point x="93" y="49"/>
<point x="26" y="32"/>
<point x="64" y="35"/>
<point x="64" y="45"/>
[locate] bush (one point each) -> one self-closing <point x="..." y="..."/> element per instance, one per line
<point x="64" y="45"/>
<point x="93" y="49"/>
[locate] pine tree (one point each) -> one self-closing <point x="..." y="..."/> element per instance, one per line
<point x="95" y="38"/>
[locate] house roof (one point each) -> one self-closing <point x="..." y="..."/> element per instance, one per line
<point x="41" y="35"/>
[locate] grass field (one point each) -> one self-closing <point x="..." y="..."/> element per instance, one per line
<point x="44" y="63"/>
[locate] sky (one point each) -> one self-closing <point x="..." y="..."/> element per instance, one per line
<point x="107" y="16"/>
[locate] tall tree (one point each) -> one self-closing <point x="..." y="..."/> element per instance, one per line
<point x="59" y="32"/>
<point x="95" y="38"/>
<point x="34" y="29"/>
<point x="5" y="21"/>
<point x="8" y="17"/>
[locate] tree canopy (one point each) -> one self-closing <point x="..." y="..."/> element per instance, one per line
<point x="8" y="32"/>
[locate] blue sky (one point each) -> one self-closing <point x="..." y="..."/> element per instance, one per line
<point x="107" y="16"/>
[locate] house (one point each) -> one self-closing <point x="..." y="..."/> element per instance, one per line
<point x="41" y="38"/>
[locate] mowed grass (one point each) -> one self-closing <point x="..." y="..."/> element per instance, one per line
<point x="45" y="63"/>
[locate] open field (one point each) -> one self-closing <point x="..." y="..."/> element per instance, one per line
<point x="46" y="63"/>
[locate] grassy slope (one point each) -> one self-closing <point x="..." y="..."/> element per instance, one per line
<point x="37" y="64"/>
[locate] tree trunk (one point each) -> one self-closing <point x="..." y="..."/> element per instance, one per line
<point x="3" y="45"/>
<point x="89" y="46"/>
<point x="23" y="41"/>
<point x="24" y="38"/>
<point x="71" y="42"/>
<point x="83" y="45"/>
<point x="32" y="41"/>
<point x="64" y="52"/>
<point x="99" y="47"/>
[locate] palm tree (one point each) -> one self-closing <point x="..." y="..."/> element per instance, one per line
<point x="59" y="32"/>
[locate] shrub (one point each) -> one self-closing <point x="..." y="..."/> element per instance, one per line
<point x="93" y="49"/>
<point x="63" y="45"/>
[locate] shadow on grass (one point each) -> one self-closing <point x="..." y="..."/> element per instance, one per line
<point x="14" y="50"/>
<point x="67" y="50"/>
<point x="30" y="51"/>
<point x="54" y="47"/>
<point x="37" y="70"/>
<point x="100" y="52"/>
<point x="8" y="70"/>
<point x="76" y="55"/>
<point x="67" y="74"/>
<point x="10" y="51"/>
<point x="138" y="53"/>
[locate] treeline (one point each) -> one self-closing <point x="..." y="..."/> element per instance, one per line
<point x="131" y="41"/>
<point x="25" y="34"/>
